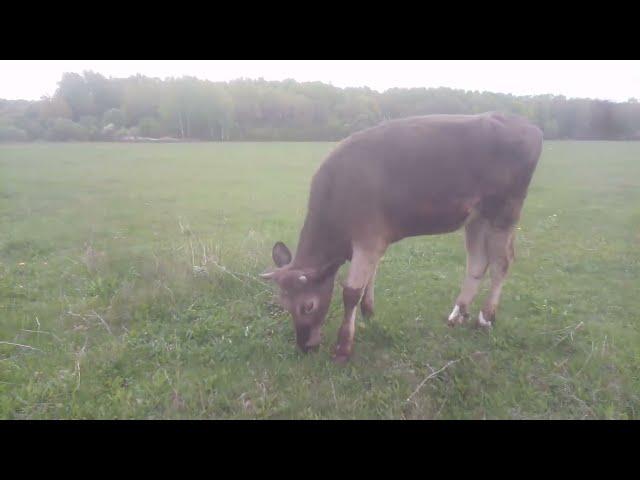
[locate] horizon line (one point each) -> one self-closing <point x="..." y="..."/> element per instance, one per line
<point x="361" y="87"/>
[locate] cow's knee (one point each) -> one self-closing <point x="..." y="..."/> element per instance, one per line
<point x="366" y="304"/>
<point x="351" y="296"/>
<point x="367" y="307"/>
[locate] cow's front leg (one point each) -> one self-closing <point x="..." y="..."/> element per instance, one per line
<point x="366" y="305"/>
<point x="363" y="265"/>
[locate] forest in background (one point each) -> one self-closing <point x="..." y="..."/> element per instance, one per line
<point x="91" y="107"/>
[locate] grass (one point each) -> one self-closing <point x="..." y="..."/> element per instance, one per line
<point x="102" y="314"/>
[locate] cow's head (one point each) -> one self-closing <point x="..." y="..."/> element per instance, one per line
<point x="304" y="293"/>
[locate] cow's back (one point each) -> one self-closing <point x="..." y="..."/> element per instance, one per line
<point x="423" y="175"/>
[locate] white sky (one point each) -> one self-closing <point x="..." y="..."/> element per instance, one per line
<point x="616" y="80"/>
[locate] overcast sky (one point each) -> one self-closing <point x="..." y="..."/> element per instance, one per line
<point x="615" y="80"/>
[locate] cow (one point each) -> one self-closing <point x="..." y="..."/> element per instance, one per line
<point x="422" y="175"/>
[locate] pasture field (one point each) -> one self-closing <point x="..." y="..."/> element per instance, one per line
<point x="128" y="290"/>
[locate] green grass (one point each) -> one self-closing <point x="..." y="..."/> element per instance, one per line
<point x="127" y="329"/>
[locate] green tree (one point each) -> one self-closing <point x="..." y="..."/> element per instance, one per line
<point x="151" y="127"/>
<point x="75" y="91"/>
<point x="9" y="133"/>
<point x="63" y="129"/>
<point x="56" y="107"/>
<point x="113" y="116"/>
<point x="288" y="110"/>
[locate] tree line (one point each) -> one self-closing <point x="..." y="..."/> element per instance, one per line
<point x="91" y="107"/>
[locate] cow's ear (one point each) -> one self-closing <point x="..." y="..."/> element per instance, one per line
<point x="281" y="254"/>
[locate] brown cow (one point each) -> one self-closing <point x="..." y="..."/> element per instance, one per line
<point x="414" y="176"/>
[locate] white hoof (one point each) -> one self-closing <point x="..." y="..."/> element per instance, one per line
<point x="482" y="322"/>
<point x="456" y="317"/>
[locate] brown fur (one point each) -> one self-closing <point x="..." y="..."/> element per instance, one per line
<point x="414" y="176"/>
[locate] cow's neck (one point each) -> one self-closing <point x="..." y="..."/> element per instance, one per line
<point x="320" y="243"/>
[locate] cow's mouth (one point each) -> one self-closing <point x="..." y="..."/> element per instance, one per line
<point x="302" y="337"/>
<point x="308" y="338"/>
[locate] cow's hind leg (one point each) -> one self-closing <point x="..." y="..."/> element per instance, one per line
<point x="503" y="216"/>
<point x="476" y="231"/>
<point x="501" y="255"/>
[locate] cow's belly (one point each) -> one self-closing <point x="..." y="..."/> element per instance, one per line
<point x="430" y="219"/>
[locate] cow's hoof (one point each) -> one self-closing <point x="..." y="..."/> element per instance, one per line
<point x="367" y="311"/>
<point x="457" y="317"/>
<point x="341" y="355"/>
<point x="486" y="322"/>
<point x="309" y="348"/>
<point x="340" y="359"/>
